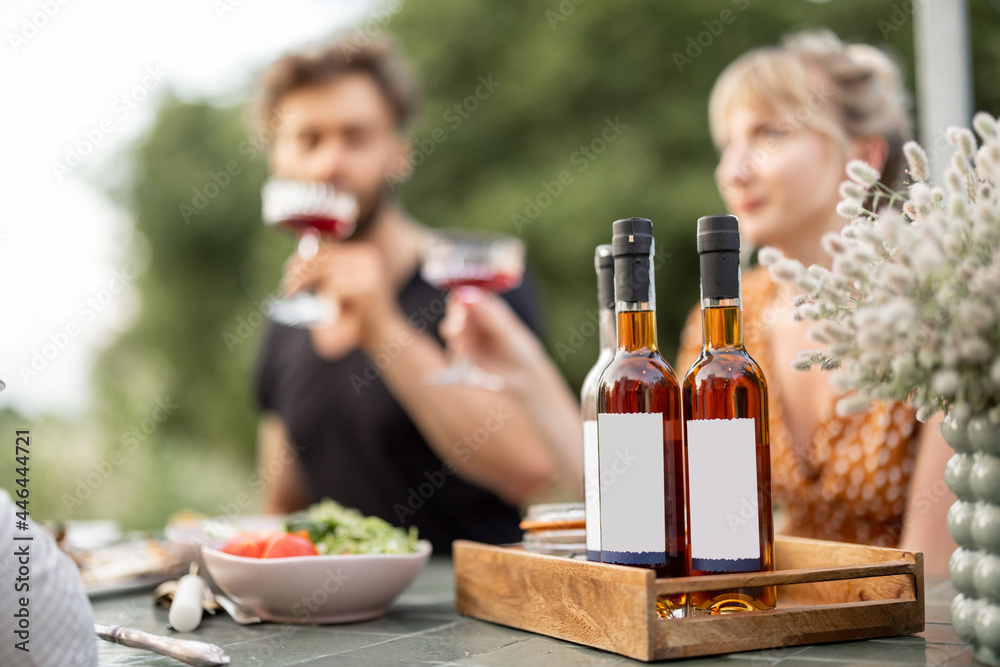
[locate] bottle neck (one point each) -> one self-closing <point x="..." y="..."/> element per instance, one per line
<point x="722" y="323"/>
<point x="608" y="330"/>
<point x="637" y="330"/>
<point x="635" y="302"/>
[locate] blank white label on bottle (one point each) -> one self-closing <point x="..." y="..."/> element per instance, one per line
<point x="722" y="474"/>
<point x="592" y="489"/>
<point x="633" y="515"/>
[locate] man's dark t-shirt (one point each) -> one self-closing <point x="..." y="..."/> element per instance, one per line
<point x="358" y="446"/>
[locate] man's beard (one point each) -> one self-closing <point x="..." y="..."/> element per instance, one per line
<point x="369" y="211"/>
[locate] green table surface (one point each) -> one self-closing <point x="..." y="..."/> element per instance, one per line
<point x="422" y="628"/>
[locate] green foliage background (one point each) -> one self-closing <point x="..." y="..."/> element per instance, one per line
<point x="565" y="67"/>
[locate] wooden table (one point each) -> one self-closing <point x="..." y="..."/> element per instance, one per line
<point x="422" y="628"/>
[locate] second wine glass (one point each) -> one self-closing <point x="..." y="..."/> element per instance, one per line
<point x="467" y="258"/>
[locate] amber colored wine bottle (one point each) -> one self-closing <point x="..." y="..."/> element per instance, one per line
<point x="640" y="446"/>
<point x="604" y="264"/>
<point x="726" y="435"/>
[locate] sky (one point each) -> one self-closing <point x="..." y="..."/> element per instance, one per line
<point x="82" y="79"/>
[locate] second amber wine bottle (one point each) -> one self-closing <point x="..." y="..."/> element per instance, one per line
<point x="639" y="425"/>
<point x="726" y="435"/>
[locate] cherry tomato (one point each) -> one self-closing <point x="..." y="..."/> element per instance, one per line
<point x="248" y="545"/>
<point x="289" y="544"/>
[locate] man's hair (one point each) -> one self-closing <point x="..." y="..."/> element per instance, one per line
<point x="332" y="60"/>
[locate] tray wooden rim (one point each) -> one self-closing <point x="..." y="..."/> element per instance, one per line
<point x="514" y="598"/>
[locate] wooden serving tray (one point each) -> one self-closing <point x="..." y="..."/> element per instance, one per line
<point x="827" y="591"/>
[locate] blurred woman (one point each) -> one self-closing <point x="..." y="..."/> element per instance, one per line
<point x="786" y="121"/>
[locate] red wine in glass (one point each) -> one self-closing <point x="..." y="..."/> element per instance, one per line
<point x="466" y="258"/>
<point x="310" y="209"/>
<point x="489" y="280"/>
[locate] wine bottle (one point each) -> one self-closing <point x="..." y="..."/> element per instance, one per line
<point x="643" y="513"/>
<point x="726" y="435"/>
<point x="604" y="263"/>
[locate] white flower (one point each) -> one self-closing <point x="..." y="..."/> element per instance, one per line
<point x="911" y="310"/>
<point x="806" y="311"/>
<point x="977" y="316"/>
<point x="955" y="180"/>
<point x="807" y="283"/>
<point x="768" y="256"/>
<point x="840" y="350"/>
<point x="928" y="258"/>
<point x="829" y="364"/>
<point x="898" y="277"/>
<point x="987" y="162"/>
<point x="963" y="140"/>
<point x="898" y="313"/>
<point x="851" y="190"/>
<point x="961" y="164"/>
<point x="806" y="359"/>
<point x="956" y="207"/>
<point x="975" y="350"/>
<point x="862" y="173"/>
<point x="849" y="208"/>
<point x="834" y="243"/>
<point x="786" y="270"/>
<point x="917" y="159"/>
<point x="920" y="194"/>
<point x="985" y="125"/>
<point x="863" y="254"/>
<point x="835" y="331"/>
<point x="852" y="405"/>
<point x="946" y="382"/>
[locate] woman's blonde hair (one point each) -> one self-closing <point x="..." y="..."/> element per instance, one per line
<point x="847" y="91"/>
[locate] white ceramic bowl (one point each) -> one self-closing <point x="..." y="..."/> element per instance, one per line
<point x="186" y="540"/>
<point x="316" y="589"/>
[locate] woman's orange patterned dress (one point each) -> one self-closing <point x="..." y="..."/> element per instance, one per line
<point x="849" y="482"/>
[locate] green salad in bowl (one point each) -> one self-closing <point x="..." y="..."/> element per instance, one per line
<point x="339" y="530"/>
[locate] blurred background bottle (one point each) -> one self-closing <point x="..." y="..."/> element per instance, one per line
<point x="604" y="264"/>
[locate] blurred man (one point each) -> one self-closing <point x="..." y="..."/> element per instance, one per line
<point x="347" y="409"/>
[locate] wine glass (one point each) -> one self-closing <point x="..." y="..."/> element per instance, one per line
<point x="313" y="210"/>
<point x="465" y="258"/>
